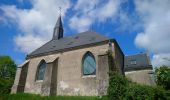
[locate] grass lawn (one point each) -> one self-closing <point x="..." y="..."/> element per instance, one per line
<point x="25" y="96"/>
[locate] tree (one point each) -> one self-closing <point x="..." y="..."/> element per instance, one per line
<point x="7" y="74"/>
<point x="7" y="67"/>
<point x="163" y="76"/>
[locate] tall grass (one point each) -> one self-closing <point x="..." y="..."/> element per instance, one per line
<point x="25" y="96"/>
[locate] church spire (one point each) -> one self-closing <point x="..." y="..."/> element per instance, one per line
<point x="58" y="29"/>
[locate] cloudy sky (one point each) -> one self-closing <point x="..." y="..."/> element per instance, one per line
<point x="138" y="26"/>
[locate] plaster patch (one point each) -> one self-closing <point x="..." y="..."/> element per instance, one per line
<point x="28" y="85"/>
<point x="63" y="85"/>
<point x="76" y="89"/>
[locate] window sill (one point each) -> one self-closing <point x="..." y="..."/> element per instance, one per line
<point x="89" y="76"/>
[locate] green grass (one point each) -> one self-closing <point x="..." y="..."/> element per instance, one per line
<point x="25" y="96"/>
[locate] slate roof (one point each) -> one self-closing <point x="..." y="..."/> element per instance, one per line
<point x="142" y="62"/>
<point x="85" y="38"/>
<point x="59" y="23"/>
<point x="58" y="30"/>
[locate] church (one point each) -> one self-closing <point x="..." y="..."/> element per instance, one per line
<point x="71" y="65"/>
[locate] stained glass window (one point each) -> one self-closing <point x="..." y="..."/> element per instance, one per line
<point x="89" y="64"/>
<point x="41" y="70"/>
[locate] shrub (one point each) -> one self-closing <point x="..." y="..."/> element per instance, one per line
<point x="159" y="93"/>
<point x="163" y="77"/>
<point x="143" y="92"/>
<point x="117" y="86"/>
<point x="136" y="92"/>
<point x="5" y="85"/>
<point x="121" y="88"/>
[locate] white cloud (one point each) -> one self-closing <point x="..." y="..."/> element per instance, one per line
<point x="92" y="11"/>
<point x="31" y="42"/>
<point x="108" y="10"/>
<point x="36" y="24"/>
<point x="82" y="24"/>
<point x="155" y="15"/>
<point x="161" y="59"/>
<point x="85" y="5"/>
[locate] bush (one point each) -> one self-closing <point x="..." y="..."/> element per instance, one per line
<point x="5" y="85"/>
<point x="159" y="93"/>
<point x="163" y="76"/>
<point x="142" y="92"/>
<point x="121" y="88"/>
<point x="136" y="92"/>
<point x="117" y="86"/>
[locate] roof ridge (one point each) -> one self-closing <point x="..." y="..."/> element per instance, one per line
<point x="77" y="34"/>
<point x="136" y="54"/>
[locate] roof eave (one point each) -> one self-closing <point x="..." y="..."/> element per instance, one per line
<point x="66" y="49"/>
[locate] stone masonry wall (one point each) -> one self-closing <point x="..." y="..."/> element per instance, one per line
<point x="70" y="80"/>
<point x="16" y="81"/>
<point x="141" y="76"/>
<point x="119" y="59"/>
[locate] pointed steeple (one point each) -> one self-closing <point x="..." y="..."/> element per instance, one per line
<point x="58" y="29"/>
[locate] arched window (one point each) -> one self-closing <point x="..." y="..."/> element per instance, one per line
<point x="41" y="70"/>
<point x="89" y="64"/>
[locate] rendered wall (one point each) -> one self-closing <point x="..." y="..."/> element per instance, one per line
<point x="141" y="77"/>
<point x="118" y="58"/>
<point x="16" y="81"/>
<point x="70" y="80"/>
<point x="63" y="75"/>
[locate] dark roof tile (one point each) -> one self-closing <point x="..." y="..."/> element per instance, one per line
<point x="80" y="39"/>
<point x="142" y="62"/>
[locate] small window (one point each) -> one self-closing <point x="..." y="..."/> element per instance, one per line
<point x="41" y="70"/>
<point x="89" y="64"/>
<point x="133" y="62"/>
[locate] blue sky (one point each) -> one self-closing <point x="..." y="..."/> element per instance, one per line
<point x="138" y="26"/>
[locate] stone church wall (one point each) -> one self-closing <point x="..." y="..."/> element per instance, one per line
<point x="16" y="81"/>
<point x="119" y="59"/>
<point x="70" y="80"/>
<point x="20" y="79"/>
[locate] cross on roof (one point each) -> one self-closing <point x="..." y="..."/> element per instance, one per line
<point x="60" y="10"/>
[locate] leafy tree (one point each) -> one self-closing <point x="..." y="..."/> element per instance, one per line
<point x="7" y="74"/>
<point x="163" y="76"/>
<point x="7" y="67"/>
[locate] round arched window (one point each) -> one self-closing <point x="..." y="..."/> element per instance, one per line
<point x="41" y="70"/>
<point x="89" y="64"/>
